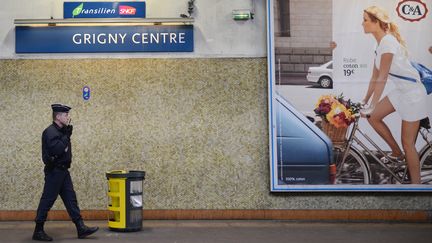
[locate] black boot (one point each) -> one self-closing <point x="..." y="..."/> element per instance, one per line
<point x="39" y="233"/>
<point x="83" y="230"/>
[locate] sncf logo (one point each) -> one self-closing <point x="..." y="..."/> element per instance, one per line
<point x="126" y="10"/>
<point x="412" y="10"/>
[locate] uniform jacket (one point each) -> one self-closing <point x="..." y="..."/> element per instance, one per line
<point x="55" y="140"/>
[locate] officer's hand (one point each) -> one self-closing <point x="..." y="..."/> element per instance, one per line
<point x="69" y="129"/>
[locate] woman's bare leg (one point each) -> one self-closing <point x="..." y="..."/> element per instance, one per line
<point x="409" y="135"/>
<point x="382" y="109"/>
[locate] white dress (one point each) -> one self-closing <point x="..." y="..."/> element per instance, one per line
<point x="408" y="98"/>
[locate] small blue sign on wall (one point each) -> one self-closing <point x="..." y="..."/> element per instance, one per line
<point x="86" y="92"/>
<point x="104" y="10"/>
<point x="91" y="39"/>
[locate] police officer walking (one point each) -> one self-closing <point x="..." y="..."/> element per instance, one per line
<point x="57" y="156"/>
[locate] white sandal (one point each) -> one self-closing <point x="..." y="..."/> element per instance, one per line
<point x="390" y="158"/>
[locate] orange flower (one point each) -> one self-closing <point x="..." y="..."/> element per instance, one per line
<point x="326" y="99"/>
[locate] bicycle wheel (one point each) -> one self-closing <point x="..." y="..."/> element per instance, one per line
<point x="353" y="170"/>
<point x="426" y="166"/>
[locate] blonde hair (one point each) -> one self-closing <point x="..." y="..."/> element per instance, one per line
<point x="378" y="14"/>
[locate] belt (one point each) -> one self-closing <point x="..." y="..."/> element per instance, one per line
<point x="61" y="166"/>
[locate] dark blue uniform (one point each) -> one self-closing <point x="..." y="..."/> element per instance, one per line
<point x="57" y="156"/>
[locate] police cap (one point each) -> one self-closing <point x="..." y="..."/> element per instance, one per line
<point x="60" y="108"/>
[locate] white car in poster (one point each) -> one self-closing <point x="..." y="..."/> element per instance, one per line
<point x="323" y="75"/>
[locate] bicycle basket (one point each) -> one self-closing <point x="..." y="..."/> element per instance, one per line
<point x="336" y="135"/>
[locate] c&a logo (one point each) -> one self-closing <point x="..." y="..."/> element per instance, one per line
<point x="412" y="10"/>
<point x="126" y="10"/>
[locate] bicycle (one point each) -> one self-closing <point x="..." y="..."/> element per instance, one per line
<point x="353" y="167"/>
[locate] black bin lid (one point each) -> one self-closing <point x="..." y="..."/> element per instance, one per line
<point x="132" y="174"/>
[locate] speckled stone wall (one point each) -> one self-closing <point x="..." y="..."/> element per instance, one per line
<point x="198" y="127"/>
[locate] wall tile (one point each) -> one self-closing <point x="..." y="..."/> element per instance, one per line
<point x="198" y="127"/>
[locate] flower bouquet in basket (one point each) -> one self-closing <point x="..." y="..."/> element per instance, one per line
<point x="337" y="114"/>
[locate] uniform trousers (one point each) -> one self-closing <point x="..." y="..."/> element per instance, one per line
<point x="58" y="182"/>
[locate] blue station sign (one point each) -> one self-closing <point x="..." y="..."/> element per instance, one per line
<point x="92" y="39"/>
<point x="104" y="10"/>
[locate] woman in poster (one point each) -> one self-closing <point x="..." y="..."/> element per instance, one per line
<point x="408" y="98"/>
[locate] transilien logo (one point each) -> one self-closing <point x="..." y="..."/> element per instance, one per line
<point x="77" y="10"/>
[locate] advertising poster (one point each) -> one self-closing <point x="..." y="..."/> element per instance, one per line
<point x="350" y="95"/>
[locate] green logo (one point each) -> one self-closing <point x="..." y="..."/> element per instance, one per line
<point x="77" y="10"/>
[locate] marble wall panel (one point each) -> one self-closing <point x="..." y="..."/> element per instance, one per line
<point x="198" y="127"/>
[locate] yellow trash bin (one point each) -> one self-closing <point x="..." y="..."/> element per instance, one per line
<point x="125" y="194"/>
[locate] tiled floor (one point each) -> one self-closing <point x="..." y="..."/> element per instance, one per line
<point x="231" y="231"/>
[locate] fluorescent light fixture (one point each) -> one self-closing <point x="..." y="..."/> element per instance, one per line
<point x="103" y="22"/>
